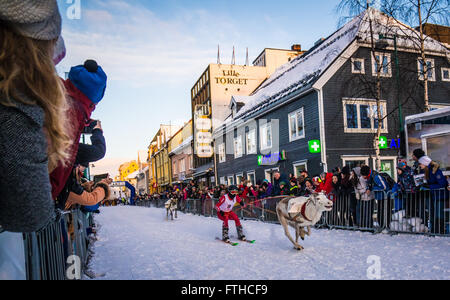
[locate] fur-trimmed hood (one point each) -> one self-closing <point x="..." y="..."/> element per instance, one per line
<point x="105" y="187"/>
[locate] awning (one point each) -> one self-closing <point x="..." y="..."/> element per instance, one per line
<point x="203" y="170"/>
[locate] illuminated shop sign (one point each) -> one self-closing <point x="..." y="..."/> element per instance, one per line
<point x="272" y="158"/>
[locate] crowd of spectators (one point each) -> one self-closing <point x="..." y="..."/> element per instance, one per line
<point x="360" y="194"/>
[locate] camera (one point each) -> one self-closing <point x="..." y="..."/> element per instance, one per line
<point x="89" y="127"/>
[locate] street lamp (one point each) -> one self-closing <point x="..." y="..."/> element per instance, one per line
<point x="383" y="44"/>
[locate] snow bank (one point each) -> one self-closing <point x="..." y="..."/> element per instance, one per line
<point x="138" y="243"/>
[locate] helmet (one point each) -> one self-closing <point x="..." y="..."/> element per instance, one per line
<point x="233" y="188"/>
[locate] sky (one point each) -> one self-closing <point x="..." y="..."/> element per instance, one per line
<point x="154" y="51"/>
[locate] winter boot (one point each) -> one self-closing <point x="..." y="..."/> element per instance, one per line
<point x="225" y="236"/>
<point x="240" y="232"/>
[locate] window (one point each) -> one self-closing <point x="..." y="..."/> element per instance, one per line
<point x="355" y="161"/>
<point x="296" y="125"/>
<point x="238" y="150"/>
<point x="182" y="165"/>
<point x="222" y="154"/>
<point x="445" y="72"/>
<point x="223" y="180"/>
<point x="251" y="141"/>
<point x="230" y="180"/>
<point x="358" y="66"/>
<point x="266" y="136"/>
<point x="430" y="69"/>
<point x="239" y="179"/>
<point x="385" y="67"/>
<point x="299" y="167"/>
<point x="361" y="116"/>
<point x="251" y="177"/>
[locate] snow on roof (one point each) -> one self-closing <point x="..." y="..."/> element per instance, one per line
<point x="428" y="115"/>
<point x="301" y="72"/>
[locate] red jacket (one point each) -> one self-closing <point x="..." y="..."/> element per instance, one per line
<point x="79" y="113"/>
<point x="327" y="186"/>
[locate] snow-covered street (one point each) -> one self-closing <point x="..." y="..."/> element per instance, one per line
<point x="138" y="243"/>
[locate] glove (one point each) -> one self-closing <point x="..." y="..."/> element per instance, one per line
<point x="424" y="188"/>
<point x="222" y="213"/>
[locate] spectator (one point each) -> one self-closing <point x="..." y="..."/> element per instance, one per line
<point x="417" y="154"/>
<point x="326" y="184"/>
<point x="85" y="88"/>
<point x="348" y="194"/>
<point x="277" y="179"/>
<point x="437" y="183"/>
<point x="365" y="200"/>
<point x="309" y="188"/>
<point x="293" y="190"/>
<point x="32" y="106"/>
<point x="378" y="186"/>
<point x="404" y="187"/>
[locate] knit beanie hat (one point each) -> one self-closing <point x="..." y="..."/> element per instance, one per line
<point x="90" y="79"/>
<point x="365" y="171"/>
<point x="418" y="153"/>
<point x="60" y="51"/>
<point x="39" y="20"/>
<point x="346" y="170"/>
<point x="425" y="160"/>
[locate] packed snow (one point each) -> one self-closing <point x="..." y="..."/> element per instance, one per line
<point x="139" y="243"/>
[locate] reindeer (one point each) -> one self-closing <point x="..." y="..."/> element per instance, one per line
<point x="171" y="206"/>
<point x="302" y="212"/>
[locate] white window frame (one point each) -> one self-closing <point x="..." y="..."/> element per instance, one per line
<point x="433" y="73"/>
<point x="241" y="175"/>
<point x="182" y="166"/>
<point x="238" y="154"/>
<point x="346" y="158"/>
<point x="222" y="153"/>
<point x="389" y="64"/>
<point x="267" y="173"/>
<point x="254" y="176"/>
<point x="223" y="180"/>
<point x="295" y="113"/>
<point x="263" y="136"/>
<point x="358" y="103"/>
<point x="393" y="158"/>
<point x="363" y="70"/>
<point x="297" y="164"/>
<point x="442" y="74"/>
<point x="253" y="142"/>
<point x="230" y="182"/>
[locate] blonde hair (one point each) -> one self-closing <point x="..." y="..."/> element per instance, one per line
<point x="26" y="67"/>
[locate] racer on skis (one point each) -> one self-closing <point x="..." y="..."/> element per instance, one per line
<point x="225" y="212"/>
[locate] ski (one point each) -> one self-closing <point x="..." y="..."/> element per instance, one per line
<point x="246" y="241"/>
<point x="249" y="241"/>
<point x="229" y="242"/>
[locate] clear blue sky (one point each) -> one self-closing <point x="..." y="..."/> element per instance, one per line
<point x="154" y="51"/>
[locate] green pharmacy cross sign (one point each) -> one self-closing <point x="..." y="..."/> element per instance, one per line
<point x="383" y="143"/>
<point x="314" y="146"/>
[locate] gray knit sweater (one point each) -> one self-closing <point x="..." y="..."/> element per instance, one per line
<point x="26" y="204"/>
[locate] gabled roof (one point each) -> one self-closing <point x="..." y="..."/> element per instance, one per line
<point x="302" y="72"/>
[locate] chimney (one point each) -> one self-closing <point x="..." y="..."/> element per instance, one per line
<point x="296" y="47"/>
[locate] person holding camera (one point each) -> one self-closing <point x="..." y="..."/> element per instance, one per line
<point x="97" y="150"/>
<point x="85" y="88"/>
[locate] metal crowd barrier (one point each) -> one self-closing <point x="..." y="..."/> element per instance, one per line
<point x="47" y="250"/>
<point x="423" y="212"/>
